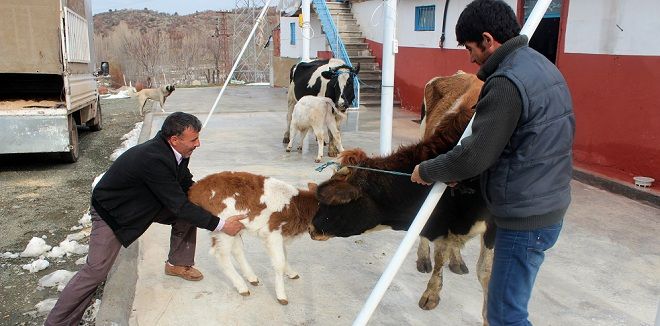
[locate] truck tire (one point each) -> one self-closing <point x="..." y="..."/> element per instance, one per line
<point x="96" y="123"/>
<point x="72" y="155"/>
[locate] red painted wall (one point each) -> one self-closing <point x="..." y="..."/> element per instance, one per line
<point x="410" y="76"/>
<point x="617" y="113"/>
<point x="615" y="100"/>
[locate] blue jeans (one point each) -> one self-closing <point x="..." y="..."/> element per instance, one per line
<point x="518" y="257"/>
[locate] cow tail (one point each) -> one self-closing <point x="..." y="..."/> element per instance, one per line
<point x="293" y="70"/>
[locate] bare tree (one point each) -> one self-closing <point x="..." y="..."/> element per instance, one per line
<point x="146" y="49"/>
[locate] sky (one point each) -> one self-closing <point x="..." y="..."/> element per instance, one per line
<point x="182" y="7"/>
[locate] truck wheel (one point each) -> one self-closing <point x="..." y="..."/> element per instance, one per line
<point x="96" y="123"/>
<point x="72" y="155"/>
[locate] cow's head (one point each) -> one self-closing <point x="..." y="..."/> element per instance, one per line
<point x="340" y="84"/>
<point x="345" y="206"/>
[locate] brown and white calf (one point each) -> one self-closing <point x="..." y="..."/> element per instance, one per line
<point x="276" y="212"/>
<point x="316" y="113"/>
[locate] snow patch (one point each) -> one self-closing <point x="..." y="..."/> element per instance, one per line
<point x="35" y="248"/>
<point x="79" y="235"/>
<point x="44" y="307"/>
<point x="57" y="278"/>
<point x="130" y="140"/>
<point x="37" y="265"/>
<point x="81" y="260"/>
<point x="9" y="255"/>
<point x="68" y="247"/>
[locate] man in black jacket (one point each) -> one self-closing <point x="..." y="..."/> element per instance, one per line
<point x="148" y="183"/>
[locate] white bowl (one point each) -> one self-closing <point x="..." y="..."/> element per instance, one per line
<point x="643" y="181"/>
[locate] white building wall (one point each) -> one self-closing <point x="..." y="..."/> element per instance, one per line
<point x="369" y="15"/>
<point x="615" y="27"/>
<point x="318" y="41"/>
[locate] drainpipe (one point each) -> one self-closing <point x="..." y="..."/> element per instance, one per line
<point x="390" y="48"/>
<point x="431" y="201"/>
<point x="305" y="29"/>
<point x="444" y="24"/>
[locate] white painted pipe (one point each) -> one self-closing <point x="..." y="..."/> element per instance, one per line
<point x="535" y="17"/>
<point x="400" y="254"/>
<point x="387" y="90"/>
<point x="430" y="202"/>
<point x="306" y="4"/>
<point x="238" y="59"/>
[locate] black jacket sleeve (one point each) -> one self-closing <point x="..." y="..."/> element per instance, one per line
<point x="161" y="179"/>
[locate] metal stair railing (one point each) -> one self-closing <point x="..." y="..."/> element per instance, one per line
<point x="336" y="44"/>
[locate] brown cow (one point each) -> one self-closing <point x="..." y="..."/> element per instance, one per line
<point x="389" y="200"/>
<point x="443" y="95"/>
<point x="277" y="212"/>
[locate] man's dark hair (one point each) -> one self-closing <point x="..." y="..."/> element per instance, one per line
<point x="492" y="16"/>
<point x="176" y="123"/>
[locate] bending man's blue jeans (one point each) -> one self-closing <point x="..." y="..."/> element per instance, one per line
<point x="518" y="257"/>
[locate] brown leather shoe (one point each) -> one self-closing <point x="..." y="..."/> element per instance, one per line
<point x="186" y="272"/>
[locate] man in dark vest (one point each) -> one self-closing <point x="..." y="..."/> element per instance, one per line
<point x="520" y="146"/>
<point x="147" y="183"/>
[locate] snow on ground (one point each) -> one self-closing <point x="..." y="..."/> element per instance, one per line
<point x="68" y="248"/>
<point x="130" y="140"/>
<point x="37" y="265"/>
<point x="121" y="94"/>
<point x="57" y="278"/>
<point x="8" y="255"/>
<point x="44" y="307"/>
<point x="35" y="248"/>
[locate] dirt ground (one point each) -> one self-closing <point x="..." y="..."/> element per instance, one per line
<point x="41" y="196"/>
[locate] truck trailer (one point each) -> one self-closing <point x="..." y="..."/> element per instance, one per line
<point x="48" y="83"/>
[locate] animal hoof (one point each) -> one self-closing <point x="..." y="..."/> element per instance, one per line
<point x="283" y="302"/>
<point x="288" y="150"/>
<point x="255" y="283"/>
<point x="318" y="160"/>
<point x="424" y="265"/>
<point x="285" y="140"/>
<point x="429" y="302"/>
<point x="459" y="269"/>
<point x="294" y="277"/>
<point x="245" y="294"/>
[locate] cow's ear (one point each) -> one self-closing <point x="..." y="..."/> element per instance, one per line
<point x="327" y="74"/>
<point x="335" y="192"/>
<point x="357" y="69"/>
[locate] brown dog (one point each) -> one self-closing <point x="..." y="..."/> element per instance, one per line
<point x="155" y="94"/>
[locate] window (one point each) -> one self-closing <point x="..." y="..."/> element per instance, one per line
<point x="425" y="18"/>
<point x="292" y="26"/>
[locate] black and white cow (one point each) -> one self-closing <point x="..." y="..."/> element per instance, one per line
<point x="330" y="78"/>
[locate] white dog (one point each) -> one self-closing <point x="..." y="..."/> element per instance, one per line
<point x="155" y="94"/>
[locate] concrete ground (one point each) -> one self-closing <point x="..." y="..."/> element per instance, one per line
<point x="603" y="270"/>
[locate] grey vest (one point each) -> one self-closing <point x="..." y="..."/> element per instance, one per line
<point x="532" y="175"/>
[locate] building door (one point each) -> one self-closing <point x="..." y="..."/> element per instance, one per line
<point x="546" y="38"/>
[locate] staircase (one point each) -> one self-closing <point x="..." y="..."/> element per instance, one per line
<point x="358" y="52"/>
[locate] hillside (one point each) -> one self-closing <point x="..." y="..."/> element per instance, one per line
<point x="145" y="20"/>
<point x="149" y="46"/>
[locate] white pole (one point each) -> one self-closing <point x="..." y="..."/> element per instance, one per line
<point x="238" y="59"/>
<point x="401" y="253"/>
<point x="305" y="30"/>
<point x="428" y="206"/>
<point x="535" y="17"/>
<point x="390" y="48"/>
